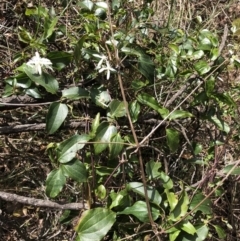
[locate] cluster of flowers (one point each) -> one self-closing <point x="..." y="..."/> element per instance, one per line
<point x="37" y="63"/>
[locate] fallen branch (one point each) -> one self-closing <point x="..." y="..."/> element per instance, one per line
<point x="41" y="203"/>
<point x="36" y="127"/>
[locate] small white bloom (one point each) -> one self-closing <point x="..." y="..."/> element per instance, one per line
<point x="38" y="63"/>
<point x="102" y="58"/>
<point x="234" y="29"/>
<point x="108" y="68"/>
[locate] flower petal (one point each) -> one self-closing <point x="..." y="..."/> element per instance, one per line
<point x="102" y="69"/>
<point x="108" y="74"/>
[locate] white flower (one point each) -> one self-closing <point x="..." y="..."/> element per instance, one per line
<point x="38" y="63"/>
<point x="102" y="58"/>
<point x="108" y="68"/>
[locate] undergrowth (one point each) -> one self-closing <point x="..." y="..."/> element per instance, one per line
<point x="128" y="108"/>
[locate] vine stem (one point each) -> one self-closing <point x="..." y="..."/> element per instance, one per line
<point x="120" y="81"/>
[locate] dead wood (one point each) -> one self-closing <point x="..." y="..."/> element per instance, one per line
<point x="9" y="197"/>
<point x="37" y="127"/>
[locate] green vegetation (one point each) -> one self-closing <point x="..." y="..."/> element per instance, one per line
<point x="151" y="90"/>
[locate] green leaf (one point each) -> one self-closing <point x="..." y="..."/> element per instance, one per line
<point x="235" y="171"/>
<point x="205" y="207"/>
<point x="101" y="192"/>
<point x="152" y="193"/>
<point x="56" y="115"/>
<point x="40" y="11"/>
<point x="95" y="124"/>
<point x="177" y="114"/>
<point x="146" y="67"/>
<point x="77" y="54"/>
<point x="95" y="224"/>
<point x="188" y="227"/>
<point x="75" y="170"/>
<point x="68" y="148"/>
<point x="100" y="96"/>
<point x="172" y="199"/>
<point x="104" y="133"/>
<point x="54" y="183"/>
<point x="67" y="216"/>
<point x="207" y="36"/>
<point x="34" y="92"/>
<point x="120" y="200"/>
<point x="102" y="5"/>
<point x="172" y="139"/>
<point x="116" y="145"/>
<point x="49" y="25"/>
<point x="22" y="80"/>
<point x="197" y="148"/>
<point x="197" y="54"/>
<point x="75" y="93"/>
<point x="24" y="36"/>
<point x="202" y="233"/>
<point x="209" y="86"/>
<point x="219" y="123"/>
<point x="152" y="169"/>
<point x="205" y="44"/>
<point x="104" y="171"/>
<point x="214" y="54"/>
<point x="183" y="236"/>
<point x="202" y="67"/>
<point x="131" y="51"/>
<point x="220" y="232"/>
<point x="224" y="98"/>
<point x="139" y="210"/>
<point x="86" y="4"/>
<point x="174" y="48"/>
<point x="166" y="180"/>
<point x="174" y="235"/>
<point x="31" y="11"/>
<point x="100" y="12"/>
<point x="145" y="64"/>
<point x="181" y="208"/>
<point x="117" y="109"/>
<point x="171" y="69"/>
<point x="59" y="59"/>
<point x="150" y="101"/>
<point x="45" y="80"/>
<point x="116" y="4"/>
<point x="8" y="91"/>
<point x="134" y="110"/>
<point x="236" y="27"/>
<point x="138" y="84"/>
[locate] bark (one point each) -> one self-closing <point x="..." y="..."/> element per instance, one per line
<point x="37" y="127"/>
<point x="9" y="197"/>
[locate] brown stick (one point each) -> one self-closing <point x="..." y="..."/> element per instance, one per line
<point x="41" y="203"/>
<point x="36" y="127"/>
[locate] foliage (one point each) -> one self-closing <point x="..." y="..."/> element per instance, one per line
<point x="130" y="79"/>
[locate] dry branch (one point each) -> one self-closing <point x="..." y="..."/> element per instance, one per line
<point x="41" y="203"/>
<point x="37" y="127"/>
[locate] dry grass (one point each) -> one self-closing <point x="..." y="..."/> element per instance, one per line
<point x="24" y="164"/>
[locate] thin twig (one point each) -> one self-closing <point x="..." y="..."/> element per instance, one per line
<point x="40" y="202"/>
